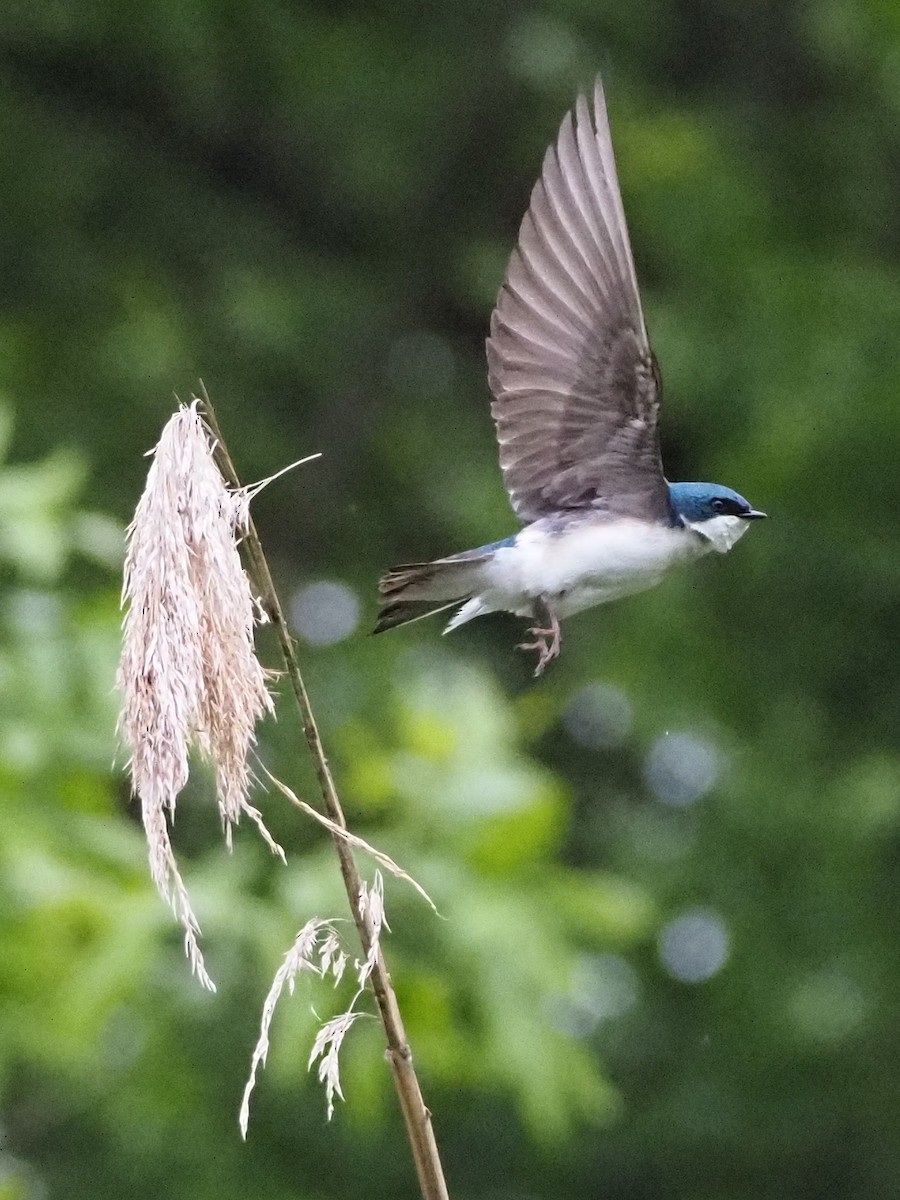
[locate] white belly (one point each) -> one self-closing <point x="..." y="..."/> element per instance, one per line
<point x="588" y="564"/>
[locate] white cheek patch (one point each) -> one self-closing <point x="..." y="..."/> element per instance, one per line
<point x="721" y="532"/>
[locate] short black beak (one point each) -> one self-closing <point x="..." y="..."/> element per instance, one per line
<point x="753" y="515"/>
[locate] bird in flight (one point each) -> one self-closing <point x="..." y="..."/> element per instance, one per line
<point x="576" y="396"/>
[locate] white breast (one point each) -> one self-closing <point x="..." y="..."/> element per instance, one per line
<point x="722" y="532"/>
<point x="589" y="563"/>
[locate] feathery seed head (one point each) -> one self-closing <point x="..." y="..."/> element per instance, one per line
<point x="189" y="675"/>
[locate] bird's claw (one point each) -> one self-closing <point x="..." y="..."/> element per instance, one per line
<point x="547" y="642"/>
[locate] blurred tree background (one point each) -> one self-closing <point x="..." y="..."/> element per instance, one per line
<point x="669" y="964"/>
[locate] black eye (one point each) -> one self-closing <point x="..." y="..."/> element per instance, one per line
<point x="720" y="506"/>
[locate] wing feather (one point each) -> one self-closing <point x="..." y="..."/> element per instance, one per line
<point x="575" y="385"/>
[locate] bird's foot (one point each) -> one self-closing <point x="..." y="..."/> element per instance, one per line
<point x="547" y="642"/>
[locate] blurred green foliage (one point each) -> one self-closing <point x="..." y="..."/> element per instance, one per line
<point x="310" y="206"/>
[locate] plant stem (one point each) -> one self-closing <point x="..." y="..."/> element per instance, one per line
<point x="415" y="1114"/>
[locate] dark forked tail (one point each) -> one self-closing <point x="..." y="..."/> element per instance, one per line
<point x="417" y="590"/>
<point x="404" y="612"/>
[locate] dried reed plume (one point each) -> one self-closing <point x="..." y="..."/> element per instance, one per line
<point x="189" y="675"/>
<point x="323" y="958"/>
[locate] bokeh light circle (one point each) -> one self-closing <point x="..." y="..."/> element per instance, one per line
<point x="325" y="612"/>
<point x="694" y="946"/>
<point x="682" y="767"/>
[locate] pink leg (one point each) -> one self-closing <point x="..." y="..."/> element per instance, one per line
<point x="547" y="636"/>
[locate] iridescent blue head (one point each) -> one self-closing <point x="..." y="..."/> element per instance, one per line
<point x="720" y="515"/>
<point x="697" y="502"/>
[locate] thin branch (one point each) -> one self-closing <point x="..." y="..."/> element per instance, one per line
<point x="415" y="1114"/>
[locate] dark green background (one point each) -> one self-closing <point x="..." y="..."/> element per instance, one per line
<point x="310" y="206"/>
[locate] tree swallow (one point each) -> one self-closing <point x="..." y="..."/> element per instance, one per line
<point x="576" y="395"/>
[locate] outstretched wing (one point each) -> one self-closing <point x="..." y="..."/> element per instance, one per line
<point x="575" y="385"/>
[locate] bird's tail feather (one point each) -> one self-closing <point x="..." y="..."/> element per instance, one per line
<point x="417" y="590"/>
<point x="404" y="612"/>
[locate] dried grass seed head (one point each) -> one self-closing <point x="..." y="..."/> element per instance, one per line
<point x="189" y="674"/>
